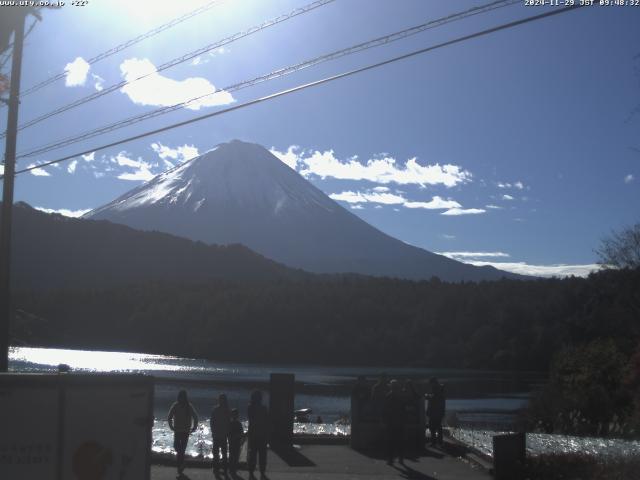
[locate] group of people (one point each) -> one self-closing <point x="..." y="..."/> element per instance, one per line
<point x="226" y="430"/>
<point x="397" y="405"/>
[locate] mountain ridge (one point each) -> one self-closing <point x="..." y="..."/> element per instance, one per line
<point x="239" y="192"/>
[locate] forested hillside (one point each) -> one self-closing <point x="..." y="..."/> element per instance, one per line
<point x="507" y="324"/>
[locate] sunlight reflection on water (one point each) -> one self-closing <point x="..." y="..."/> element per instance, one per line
<point x="541" y="443"/>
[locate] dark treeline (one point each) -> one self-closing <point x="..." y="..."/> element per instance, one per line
<point x="507" y="324"/>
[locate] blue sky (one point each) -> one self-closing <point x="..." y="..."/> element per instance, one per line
<point x="520" y="148"/>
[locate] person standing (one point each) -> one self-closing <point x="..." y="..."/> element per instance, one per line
<point x="435" y="411"/>
<point x="220" y="423"/>
<point x="236" y="434"/>
<point x="183" y="420"/>
<point x="258" y="434"/>
<point x="394" y="417"/>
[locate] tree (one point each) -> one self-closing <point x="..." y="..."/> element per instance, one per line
<point x="621" y="249"/>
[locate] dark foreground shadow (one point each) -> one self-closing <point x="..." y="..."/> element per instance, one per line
<point x="406" y="471"/>
<point x="292" y="457"/>
<point x="410" y="456"/>
<point x="182" y="476"/>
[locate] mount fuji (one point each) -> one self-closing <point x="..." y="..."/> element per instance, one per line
<point x="241" y="193"/>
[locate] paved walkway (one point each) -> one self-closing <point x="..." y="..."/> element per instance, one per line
<point x="339" y="462"/>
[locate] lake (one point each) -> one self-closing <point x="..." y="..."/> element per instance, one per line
<point x="324" y="389"/>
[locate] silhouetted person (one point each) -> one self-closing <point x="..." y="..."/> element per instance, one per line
<point x="183" y="420"/>
<point x="220" y="422"/>
<point x="435" y="411"/>
<point x="379" y="392"/>
<point x="258" y="433"/>
<point x="393" y="415"/>
<point x="412" y="401"/>
<point x="360" y="395"/>
<point x="236" y="434"/>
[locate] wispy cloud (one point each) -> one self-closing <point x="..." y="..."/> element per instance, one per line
<point x="71" y="168"/>
<point x="64" y="211"/>
<point x="555" y="270"/>
<point x="89" y="157"/>
<point x="464" y="255"/>
<point x="377" y="170"/>
<point x="171" y="156"/>
<point x="373" y="197"/>
<point x="436" y="203"/>
<point x="493" y="207"/>
<point x="38" y="172"/>
<point x="464" y="211"/>
<point x="507" y="197"/>
<point x="629" y="178"/>
<point x="141" y="169"/>
<point x="98" y="82"/>
<point x="158" y="90"/>
<point x="517" y="185"/>
<point x="385" y="197"/>
<point x="76" y="72"/>
<point x="202" y="59"/>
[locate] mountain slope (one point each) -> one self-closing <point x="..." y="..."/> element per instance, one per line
<point x="241" y="193"/>
<point x="51" y="251"/>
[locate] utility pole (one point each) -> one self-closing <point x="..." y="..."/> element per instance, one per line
<point x="7" y="193"/>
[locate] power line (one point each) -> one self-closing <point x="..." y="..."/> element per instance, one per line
<point x="127" y="44"/>
<point x="178" y="60"/>
<point x="272" y="96"/>
<point x="383" y="40"/>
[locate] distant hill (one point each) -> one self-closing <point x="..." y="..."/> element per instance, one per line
<point x="52" y="251"/>
<point x="240" y="193"/>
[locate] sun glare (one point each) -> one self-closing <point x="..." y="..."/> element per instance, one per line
<point x="151" y="12"/>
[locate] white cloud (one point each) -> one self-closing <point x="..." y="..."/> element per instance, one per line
<point x="507" y="197"/>
<point x="460" y="255"/>
<point x="98" y="83"/>
<point x="629" y="178"/>
<point x="71" y="168"/>
<point x="380" y="189"/>
<point x="387" y="198"/>
<point x="373" y="197"/>
<point x="447" y="237"/>
<point x="357" y="207"/>
<point x="64" y="211"/>
<point x="158" y="90"/>
<point x="463" y="211"/>
<point x="493" y="207"/>
<point x="89" y="157"/>
<point x="289" y="158"/>
<point x="38" y="172"/>
<point x="76" y="72"/>
<point x="556" y="270"/>
<point x="522" y="268"/>
<point x="179" y="154"/>
<point x="1" y="168"/>
<point x="142" y="169"/>
<point x="141" y="175"/>
<point x="518" y="185"/>
<point x="378" y="170"/>
<point x="436" y="203"/>
<point x="201" y="60"/>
